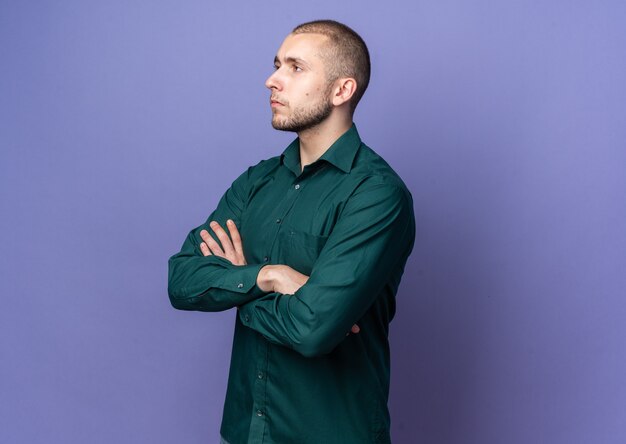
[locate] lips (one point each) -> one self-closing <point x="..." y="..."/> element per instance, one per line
<point x="275" y="102"/>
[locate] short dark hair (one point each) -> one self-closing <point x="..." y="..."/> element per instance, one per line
<point x="347" y="56"/>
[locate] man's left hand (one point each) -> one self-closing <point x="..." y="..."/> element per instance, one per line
<point x="232" y="250"/>
<point x="232" y="247"/>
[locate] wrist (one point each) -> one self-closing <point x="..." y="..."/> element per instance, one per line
<point x="265" y="278"/>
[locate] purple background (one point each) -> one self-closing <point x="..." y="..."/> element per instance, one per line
<point x="123" y="122"/>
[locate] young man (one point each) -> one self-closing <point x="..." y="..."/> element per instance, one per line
<point x="310" y="247"/>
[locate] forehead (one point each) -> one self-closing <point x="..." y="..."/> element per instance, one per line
<point x="306" y="46"/>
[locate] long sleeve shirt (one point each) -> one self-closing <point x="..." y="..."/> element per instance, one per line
<point x="346" y="221"/>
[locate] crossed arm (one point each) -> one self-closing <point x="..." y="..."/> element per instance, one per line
<point x="271" y="278"/>
<point x="364" y="254"/>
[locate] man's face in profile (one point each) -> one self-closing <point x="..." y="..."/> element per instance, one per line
<point x="301" y="91"/>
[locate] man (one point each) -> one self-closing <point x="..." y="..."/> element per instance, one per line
<point x="310" y="247"/>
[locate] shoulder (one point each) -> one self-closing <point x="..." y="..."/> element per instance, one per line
<point x="263" y="168"/>
<point x="255" y="173"/>
<point x="374" y="175"/>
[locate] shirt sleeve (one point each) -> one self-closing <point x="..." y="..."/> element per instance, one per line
<point x="367" y="248"/>
<point x="212" y="283"/>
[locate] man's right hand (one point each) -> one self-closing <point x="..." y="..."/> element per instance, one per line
<point x="280" y="279"/>
<point x="284" y="279"/>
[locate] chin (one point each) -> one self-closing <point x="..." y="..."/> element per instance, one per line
<point x="280" y="124"/>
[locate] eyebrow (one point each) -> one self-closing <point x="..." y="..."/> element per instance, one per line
<point x="291" y="60"/>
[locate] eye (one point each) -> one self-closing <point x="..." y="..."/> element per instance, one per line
<point x="297" y="68"/>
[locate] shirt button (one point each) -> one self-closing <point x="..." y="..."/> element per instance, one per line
<point x="240" y="285"/>
<point x="259" y="413"/>
<point x="265" y="259"/>
<point x="297" y="187"/>
<point x="260" y="375"/>
<point x="277" y="221"/>
<point x="246" y="318"/>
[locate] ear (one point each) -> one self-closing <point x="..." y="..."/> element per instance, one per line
<point x="343" y="90"/>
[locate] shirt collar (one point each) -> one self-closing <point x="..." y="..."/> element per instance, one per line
<point x="341" y="154"/>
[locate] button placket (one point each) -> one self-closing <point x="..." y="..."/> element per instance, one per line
<point x="258" y="422"/>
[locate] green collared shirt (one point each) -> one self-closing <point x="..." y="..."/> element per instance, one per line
<point x="346" y="221"/>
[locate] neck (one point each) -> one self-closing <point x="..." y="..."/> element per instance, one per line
<point x="314" y="142"/>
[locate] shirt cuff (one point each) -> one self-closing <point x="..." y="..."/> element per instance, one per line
<point x="242" y="279"/>
<point x="245" y="314"/>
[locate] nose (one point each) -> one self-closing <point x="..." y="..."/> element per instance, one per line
<point x="273" y="81"/>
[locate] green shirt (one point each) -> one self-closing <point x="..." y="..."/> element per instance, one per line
<point x="346" y="221"/>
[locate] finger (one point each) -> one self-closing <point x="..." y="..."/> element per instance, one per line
<point x="211" y="243"/>
<point x="236" y="238"/>
<point x="204" y="235"/>
<point x="204" y="249"/>
<point x="227" y="245"/>
<point x="353" y="330"/>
